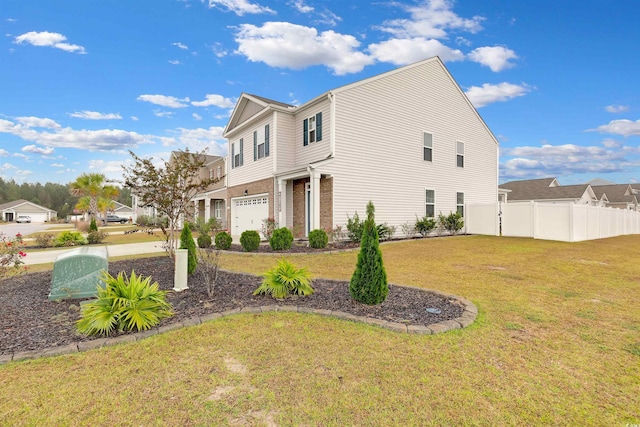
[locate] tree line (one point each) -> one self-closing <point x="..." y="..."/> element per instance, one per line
<point x="57" y="197"/>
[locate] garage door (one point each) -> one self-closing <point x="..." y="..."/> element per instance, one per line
<point x="248" y="212"/>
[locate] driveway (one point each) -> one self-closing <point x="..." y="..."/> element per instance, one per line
<point x="13" y="228"/>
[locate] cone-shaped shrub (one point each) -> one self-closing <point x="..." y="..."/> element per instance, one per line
<point x="93" y="226"/>
<point x="187" y="242"/>
<point x="369" y="281"/>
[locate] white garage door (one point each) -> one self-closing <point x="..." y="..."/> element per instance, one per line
<point x="38" y="217"/>
<point x="247" y="213"/>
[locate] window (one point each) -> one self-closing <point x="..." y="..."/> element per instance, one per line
<point x="312" y="129"/>
<point x="460" y="203"/>
<point x="217" y="210"/>
<point x="460" y="154"/>
<point x="211" y="175"/>
<point x="236" y="153"/>
<point x="219" y="171"/>
<point x="430" y="203"/>
<point x="428" y="147"/>
<point x="261" y="143"/>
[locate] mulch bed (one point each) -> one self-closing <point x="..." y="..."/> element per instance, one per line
<point x="29" y="321"/>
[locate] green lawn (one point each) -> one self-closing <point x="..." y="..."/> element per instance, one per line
<point x="557" y="342"/>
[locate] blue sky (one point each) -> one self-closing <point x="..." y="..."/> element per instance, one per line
<point x="82" y="82"/>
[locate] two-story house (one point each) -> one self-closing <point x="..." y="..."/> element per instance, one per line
<point x="212" y="202"/>
<point x="409" y="140"/>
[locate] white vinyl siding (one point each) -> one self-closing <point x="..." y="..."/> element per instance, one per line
<point x="427" y="141"/>
<point x="284" y="138"/>
<point x="317" y="150"/>
<point x="251" y="171"/>
<point x="393" y="111"/>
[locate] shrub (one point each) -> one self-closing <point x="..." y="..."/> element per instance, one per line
<point x="143" y="220"/>
<point x="204" y="241"/>
<point x="69" y="238"/>
<point x="11" y="255"/>
<point x="452" y="222"/>
<point x="269" y="225"/>
<point x="223" y="240"/>
<point x="124" y="304"/>
<point x="425" y="225"/>
<point x="82" y="226"/>
<point x="95" y="237"/>
<point x="336" y="234"/>
<point x="369" y="282"/>
<point x="93" y="226"/>
<point x="408" y="229"/>
<point x="354" y="228"/>
<point x="187" y="242"/>
<point x="318" y="239"/>
<point x="44" y="240"/>
<point x="250" y="240"/>
<point x="386" y="232"/>
<point x="208" y="267"/>
<point x="281" y="239"/>
<point x="206" y="227"/>
<point x="285" y="279"/>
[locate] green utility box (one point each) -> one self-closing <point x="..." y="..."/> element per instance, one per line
<point x="76" y="273"/>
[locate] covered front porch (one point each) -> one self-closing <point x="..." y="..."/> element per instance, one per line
<point x="211" y="205"/>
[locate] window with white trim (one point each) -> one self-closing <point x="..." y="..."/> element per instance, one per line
<point x="217" y="209"/>
<point x="312" y="129"/>
<point x="219" y="171"/>
<point x="430" y="203"/>
<point x="460" y="154"/>
<point x="427" y="140"/>
<point x="237" y="154"/>
<point x="460" y="203"/>
<point x="261" y="143"/>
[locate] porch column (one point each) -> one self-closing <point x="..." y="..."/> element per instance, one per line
<point x="207" y="208"/>
<point x="282" y="203"/>
<point x="315" y="200"/>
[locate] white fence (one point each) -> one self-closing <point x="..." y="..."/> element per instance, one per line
<point x="567" y="222"/>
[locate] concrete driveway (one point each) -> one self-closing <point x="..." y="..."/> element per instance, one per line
<point x="13" y="228"/>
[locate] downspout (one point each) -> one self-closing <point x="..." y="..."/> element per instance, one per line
<point x="332" y="124"/>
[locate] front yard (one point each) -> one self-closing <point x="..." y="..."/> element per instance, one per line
<point x="557" y="342"/>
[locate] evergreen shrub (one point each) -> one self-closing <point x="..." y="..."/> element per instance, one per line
<point x="223" y="240"/>
<point x="318" y="239"/>
<point x="204" y="241"/>
<point x="187" y="242"/>
<point x="250" y="240"/>
<point x="281" y="239"/>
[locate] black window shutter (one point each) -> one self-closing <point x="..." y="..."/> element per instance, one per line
<point x="255" y="145"/>
<point x="241" y="154"/>
<point x="233" y="157"/>
<point x="305" y="129"/>
<point x="319" y="127"/>
<point x="266" y="141"/>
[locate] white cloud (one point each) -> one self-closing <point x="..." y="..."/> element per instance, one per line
<point x="611" y="143"/>
<point x="286" y="45"/>
<point x="488" y="93"/>
<point x="239" y="7"/>
<point x="197" y="116"/>
<point x="213" y="99"/>
<point x="57" y="165"/>
<point x="174" y="62"/>
<point x="37" y="150"/>
<point x="301" y="7"/>
<point x="24" y="173"/>
<point x="3" y="152"/>
<point x="6" y="166"/>
<point x="622" y="127"/>
<point x="94" y="115"/>
<point x="616" y="108"/>
<point x="495" y="57"/>
<point x="106" y="167"/>
<point x="46" y="38"/>
<point x="11" y="20"/>
<point x="165" y="101"/>
<point x="566" y="159"/>
<point x="431" y="19"/>
<point x="36" y="122"/>
<point x="134" y="118"/>
<point x="219" y="50"/>
<point x="200" y="138"/>
<point x="180" y="45"/>
<point x="164" y="114"/>
<point x="407" y="51"/>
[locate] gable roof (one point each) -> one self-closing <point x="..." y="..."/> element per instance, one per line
<point x="20" y="202"/>
<point x="545" y="189"/>
<point x="616" y="193"/>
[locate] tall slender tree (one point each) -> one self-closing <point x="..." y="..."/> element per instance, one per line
<point x="94" y="186"/>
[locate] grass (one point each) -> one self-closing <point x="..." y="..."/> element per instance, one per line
<point x="555" y="343"/>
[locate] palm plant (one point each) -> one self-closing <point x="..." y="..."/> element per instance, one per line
<point x="94" y="186"/>
<point x="284" y="279"/>
<point x="124" y="304"/>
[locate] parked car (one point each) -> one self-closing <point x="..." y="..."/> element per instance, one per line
<point x="115" y="218"/>
<point x="23" y="218"/>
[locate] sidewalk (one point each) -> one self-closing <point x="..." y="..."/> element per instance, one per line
<point x="44" y="257"/>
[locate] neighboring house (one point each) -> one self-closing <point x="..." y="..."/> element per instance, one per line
<point x="121" y="210"/>
<point x="409" y="140"/>
<point x="549" y="190"/>
<point x="621" y="196"/>
<point x="212" y="203"/>
<point x="11" y="210"/>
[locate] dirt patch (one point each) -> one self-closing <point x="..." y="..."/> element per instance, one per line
<point x="29" y="321"/>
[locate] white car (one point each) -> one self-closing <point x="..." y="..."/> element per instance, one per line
<point x="23" y="218"/>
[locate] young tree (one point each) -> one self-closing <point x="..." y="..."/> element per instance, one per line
<point x="94" y="186"/>
<point x="187" y="242"/>
<point x="369" y="282"/>
<point x="169" y="187"/>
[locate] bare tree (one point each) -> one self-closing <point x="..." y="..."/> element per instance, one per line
<point x="169" y="187"/>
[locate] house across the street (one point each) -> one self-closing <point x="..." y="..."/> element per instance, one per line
<point x="20" y="208"/>
<point x="409" y="140"/>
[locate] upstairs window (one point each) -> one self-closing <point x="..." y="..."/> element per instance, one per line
<point x="261" y="143"/>
<point x="460" y="154"/>
<point x="460" y="203"/>
<point x="428" y="147"/>
<point x="237" y="153"/>
<point x="312" y="129"/>
<point x="430" y="203"/>
<point x="219" y="171"/>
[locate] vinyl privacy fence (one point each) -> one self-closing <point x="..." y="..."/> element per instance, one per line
<point x="566" y="222"/>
